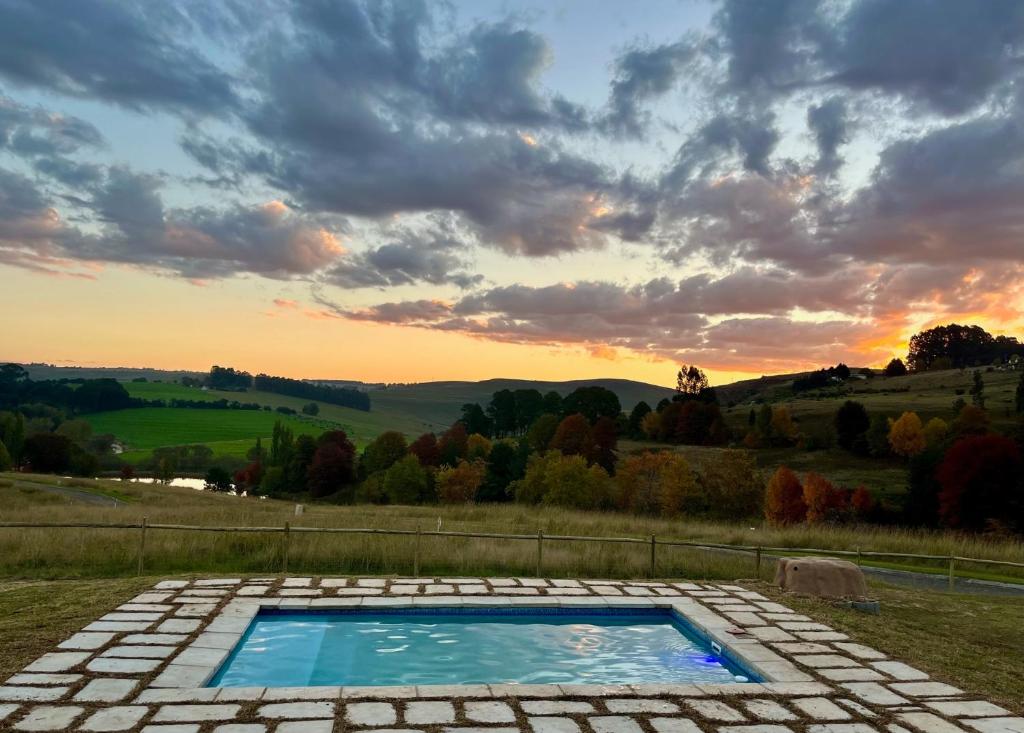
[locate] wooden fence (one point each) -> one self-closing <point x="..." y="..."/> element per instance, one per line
<point x="287" y="530"/>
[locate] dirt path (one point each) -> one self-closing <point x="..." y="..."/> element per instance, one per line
<point x="76" y="495"/>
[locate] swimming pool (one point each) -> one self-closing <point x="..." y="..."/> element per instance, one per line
<point x="440" y="646"/>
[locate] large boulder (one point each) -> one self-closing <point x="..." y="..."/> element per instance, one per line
<point x="824" y="577"/>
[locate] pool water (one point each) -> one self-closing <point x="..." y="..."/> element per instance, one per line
<point x="451" y="646"/>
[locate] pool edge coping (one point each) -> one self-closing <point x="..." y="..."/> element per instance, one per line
<point x="231" y="623"/>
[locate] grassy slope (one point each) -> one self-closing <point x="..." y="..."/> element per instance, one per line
<point x="930" y="394"/>
<point x="232" y="432"/>
<point x="440" y="402"/>
<point x="72" y="553"/>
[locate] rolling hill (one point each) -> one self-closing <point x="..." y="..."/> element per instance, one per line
<point x="439" y="403"/>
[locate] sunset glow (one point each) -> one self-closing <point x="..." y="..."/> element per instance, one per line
<point x="497" y="194"/>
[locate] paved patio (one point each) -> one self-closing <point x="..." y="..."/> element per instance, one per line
<point x="142" y="667"/>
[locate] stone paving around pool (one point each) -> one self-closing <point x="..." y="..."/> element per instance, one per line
<point x="142" y="667"/>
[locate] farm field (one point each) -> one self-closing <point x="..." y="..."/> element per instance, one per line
<point x="929" y="394"/>
<point x="108" y="553"/>
<point x="232" y="432"/>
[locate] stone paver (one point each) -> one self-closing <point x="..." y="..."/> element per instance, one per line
<point x="50" y="717"/>
<point x="429" y="712"/>
<point x="370" y="713"/>
<point x="174" y="637"/>
<point x="122" y="717"/>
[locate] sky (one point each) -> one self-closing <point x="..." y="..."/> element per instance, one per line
<point x="410" y="191"/>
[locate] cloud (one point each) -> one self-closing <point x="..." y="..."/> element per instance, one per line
<point x="117" y="52"/>
<point x="642" y="74"/>
<point x="829" y="126"/>
<point x="34" y="131"/>
<point x="946" y="58"/>
<point x="198" y="243"/>
<point x="433" y="257"/>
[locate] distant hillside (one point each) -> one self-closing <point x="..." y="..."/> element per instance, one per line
<point x="38" y="371"/>
<point x="439" y="403"/>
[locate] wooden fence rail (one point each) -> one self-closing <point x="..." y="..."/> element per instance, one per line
<point x="540" y="538"/>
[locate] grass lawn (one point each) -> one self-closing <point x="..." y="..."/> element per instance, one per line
<point x="152" y="427"/>
<point x="973" y="642"/>
<point x="35" y="616"/>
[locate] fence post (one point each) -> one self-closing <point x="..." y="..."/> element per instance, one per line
<point x="416" y="555"/>
<point x="142" y="546"/>
<point x="952" y="573"/>
<point x="757" y="563"/>
<point x="287" y="544"/>
<point x="540" y="551"/>
<point x="859" y="560"/>
<point x="653" y="541"/>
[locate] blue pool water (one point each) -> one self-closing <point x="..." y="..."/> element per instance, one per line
<point x="453" y="646"/>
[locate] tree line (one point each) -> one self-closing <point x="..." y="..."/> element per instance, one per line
<point x="234" y="380"/>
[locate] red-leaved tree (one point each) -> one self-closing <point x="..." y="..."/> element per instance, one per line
<point x="979" y="480"/>
<point x="333" y="466"/>
<point x="784" y="498"/>
<point x="426" y="449"/>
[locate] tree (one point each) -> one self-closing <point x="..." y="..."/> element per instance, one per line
<point x="312" y="409"/>
<point x="405" y="481"/>
<point x="895" y="368"/>
<point x="842" y="371"/>
<point x="453" y="444"/>
<point x="862" y="503"/>
<point x="732" y="486"/>
<point x="921" y="506"/>
<point x="935" y="431"/>
<point x="980" y="484"/>
<point x="978" y="390"/>
<point x="48" y="453"/>
<point x="592" y="403"/>
<point x="505" y="464"/>
<point x="654" y="483"/>
<point x="477" y="447"/>
<point x="783" y="428"/>
<point x="820" y="496"/>
<point x="383" y="452"/>
<point x="651" y="425"/>
<point x="541" y="433"/>
<point x="971" y="420"/>
<point x="98" y="395"/>
<point x="906" y="435"/>
<point x="426" y="450"/>
<point x="475" y="419"/>
<point x="502" y="412"/>
<point x="5" y="458"/>
<point x="333" y="466"/>
<point x="959" y="347"/>
<point x="529" y="405"/>
<point x="636" y="419"/>
<point x="784" y="498"/>
<point x="459" y="484"/>
<point x="852" y="422"/>
<point x="217" y="479"/>
<point x="553" y="403"/>
<point x="572" y="438"/>
<point x="690" y="381"/>
<point x="603" y="440"/>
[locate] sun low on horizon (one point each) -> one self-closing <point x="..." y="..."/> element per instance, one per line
<point x="406" y="191"/>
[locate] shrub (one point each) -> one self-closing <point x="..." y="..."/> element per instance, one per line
<point x="217" y="479"/>
<point x="560" y="480"/>
<point x="784" y="498"/>
<point x="895" y="368"/>
<point x="5" y="458"/>
<point x="862" y="503"/>
<point x="970" y="420"/>
<point x="980" y="482"/>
